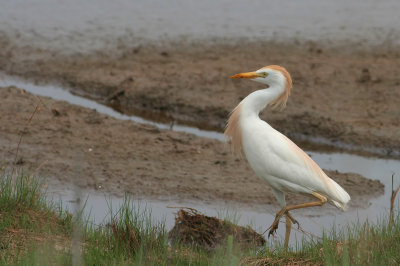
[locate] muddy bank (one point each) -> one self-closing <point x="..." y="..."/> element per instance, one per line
<point x="342" y="97"/>
<point x="73" y="145"/>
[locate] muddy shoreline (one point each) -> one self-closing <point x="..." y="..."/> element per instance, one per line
<point x="343" y="98"/>
<point x="74" y="145"/>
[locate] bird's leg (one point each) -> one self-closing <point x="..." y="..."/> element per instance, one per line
<point x="288" y="230"/>
<point x="286" y="209"/>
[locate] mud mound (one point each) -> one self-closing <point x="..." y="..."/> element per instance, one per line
<point x="194" y="228"/>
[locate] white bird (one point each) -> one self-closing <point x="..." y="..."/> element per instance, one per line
<point x="275" y="159"/>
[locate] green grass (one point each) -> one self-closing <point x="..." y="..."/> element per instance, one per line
<point x="357" y="244"/>
<point x="26" y="217"/>
<point x="34" y="231"/>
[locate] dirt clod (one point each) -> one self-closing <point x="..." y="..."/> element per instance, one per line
<point x="194" y="228"/>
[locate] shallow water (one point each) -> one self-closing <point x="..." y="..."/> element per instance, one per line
<point x="312" y="220"/>
<point x="97" y="24"/>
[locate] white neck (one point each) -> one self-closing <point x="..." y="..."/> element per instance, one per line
<point x="256" y="101"/>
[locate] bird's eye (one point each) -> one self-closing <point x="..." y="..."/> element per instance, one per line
<point x="263" y="74"/>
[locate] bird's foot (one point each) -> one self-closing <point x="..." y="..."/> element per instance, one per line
<point x="294" y="221"/>
<point x="273" y="228"/>
<point x="274" y="225"/>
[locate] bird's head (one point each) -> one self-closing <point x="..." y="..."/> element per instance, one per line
<point x="271" y="75"/>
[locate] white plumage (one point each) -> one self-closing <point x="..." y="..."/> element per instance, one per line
<point x="284" y="166"/>
<point x="275" y="159"/>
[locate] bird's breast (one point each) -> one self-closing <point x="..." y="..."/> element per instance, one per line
<point x="263" y="147"/>
<point x="257" y="140"/>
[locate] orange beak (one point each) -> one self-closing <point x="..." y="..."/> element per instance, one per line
<point x="248" y="75"/>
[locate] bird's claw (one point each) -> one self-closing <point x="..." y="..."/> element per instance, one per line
<point x="272" y="229"/>
<point x="296" y="223"/>
<point x="271" y="233"/>
<point x="274" y="226"/>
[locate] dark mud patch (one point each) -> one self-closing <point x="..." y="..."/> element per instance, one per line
<point x="196" y="229"/>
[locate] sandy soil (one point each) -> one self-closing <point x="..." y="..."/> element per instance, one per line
<point x="70" y="144"/>
<point x="342" y="97"/>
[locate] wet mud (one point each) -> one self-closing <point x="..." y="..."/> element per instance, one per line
<point x="343" y="98"/>
<point x="71" y="145"/>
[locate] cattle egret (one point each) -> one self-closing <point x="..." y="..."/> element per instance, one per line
<point x="275" y="159"/>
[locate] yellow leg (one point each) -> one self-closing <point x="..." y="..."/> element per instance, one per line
<point x="288" y="230"/>
<point x="286" y="209"/>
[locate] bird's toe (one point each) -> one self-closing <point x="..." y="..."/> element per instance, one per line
<point x="297" y="223"/>
<point x="272" y="230"/>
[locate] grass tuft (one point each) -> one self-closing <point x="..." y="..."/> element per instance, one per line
<point x="27" y="218"/>
<point x="18" y="190"/>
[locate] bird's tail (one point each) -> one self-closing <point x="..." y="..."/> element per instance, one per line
<point x="340" y="198"/>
